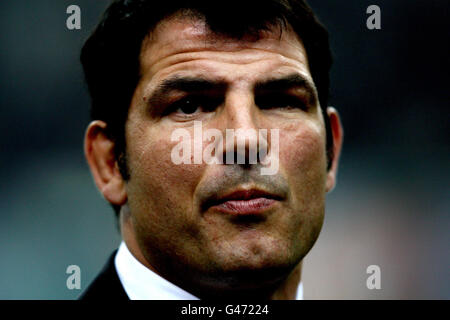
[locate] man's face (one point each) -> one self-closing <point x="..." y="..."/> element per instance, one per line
<point x="190" y="74"/>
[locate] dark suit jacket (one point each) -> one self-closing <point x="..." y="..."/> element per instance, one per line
<point x="107" y="285"/>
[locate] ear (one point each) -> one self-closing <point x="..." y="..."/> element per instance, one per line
<point x="338" y="137"/>
<point x="99" y="152"/>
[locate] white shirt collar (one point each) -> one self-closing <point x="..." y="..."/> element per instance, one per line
<point x="141" y="283"/>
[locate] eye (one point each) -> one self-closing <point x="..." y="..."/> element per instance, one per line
<point x="192" y="105"/>
<point x="187" y="106"/>
<point x="280" y="101"/>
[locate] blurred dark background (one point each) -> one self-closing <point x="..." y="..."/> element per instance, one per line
<point x="390" y="207"/>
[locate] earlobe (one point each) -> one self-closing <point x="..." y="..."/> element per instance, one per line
<point x="338" y="137"/>
<point x="99" y="152"/>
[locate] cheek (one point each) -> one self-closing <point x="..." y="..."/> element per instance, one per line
<point x="303" y="145"/>
<point x="157" y="185"/>
<point x="303" y="158"/>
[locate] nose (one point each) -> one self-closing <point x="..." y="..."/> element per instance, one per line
<point x="245" y="141"/>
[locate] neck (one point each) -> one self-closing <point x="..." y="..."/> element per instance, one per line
<point x="284" y="289"/>
<point x="288" y="288"/>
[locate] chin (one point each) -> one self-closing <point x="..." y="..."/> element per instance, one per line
<point x="248" y="266"/>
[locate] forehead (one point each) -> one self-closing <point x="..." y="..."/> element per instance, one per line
<point x="187" y="44"/>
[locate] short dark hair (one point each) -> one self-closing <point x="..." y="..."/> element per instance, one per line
<point x="110" y="56"/>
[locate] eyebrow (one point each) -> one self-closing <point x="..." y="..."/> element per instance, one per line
<point x="294" y="80"/>
<point x="184" y="84"/>
<point x="199" y="84"/>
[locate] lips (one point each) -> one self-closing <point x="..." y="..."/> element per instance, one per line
<point x="244" y="202"/>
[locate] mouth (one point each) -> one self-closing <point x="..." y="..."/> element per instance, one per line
<point x="243" y="202"/>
